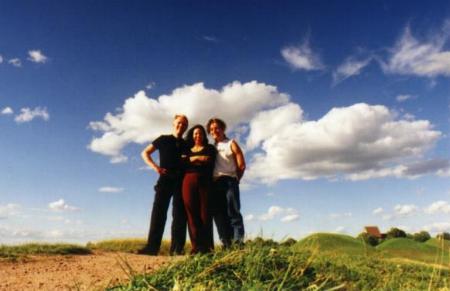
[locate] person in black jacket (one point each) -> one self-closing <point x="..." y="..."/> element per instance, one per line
<point x="170" y="170"/>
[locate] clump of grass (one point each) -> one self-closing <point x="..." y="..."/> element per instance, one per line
<point x="42" y="249"/>
<point x="128" y="245"/>
<point x="267" y="265"/>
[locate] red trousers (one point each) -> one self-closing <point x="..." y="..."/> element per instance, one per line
<point x="196" y="189"/>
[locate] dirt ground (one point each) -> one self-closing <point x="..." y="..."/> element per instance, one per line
<point x="86" y="272"/>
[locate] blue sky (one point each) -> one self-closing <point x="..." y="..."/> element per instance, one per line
<point x="342" y="109"/>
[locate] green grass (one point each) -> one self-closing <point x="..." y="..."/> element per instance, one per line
<point x="129" y="245"/>
<point x="269" y="266"/>
<point x="42" y="248"/>
<point x="334" y="243"/>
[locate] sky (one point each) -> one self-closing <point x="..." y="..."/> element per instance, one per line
<point x="342" y="109"/>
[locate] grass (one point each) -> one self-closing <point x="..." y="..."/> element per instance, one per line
<point x="42" y="248"/>
<point x="410" y="249"/>
<point x="262" y="265"/>
<point x="129" y="245"/>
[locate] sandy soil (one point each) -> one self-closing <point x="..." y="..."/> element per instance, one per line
<point x="89" y="272"/>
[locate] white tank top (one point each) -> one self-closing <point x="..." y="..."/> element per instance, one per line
<point x="225" y="160"/>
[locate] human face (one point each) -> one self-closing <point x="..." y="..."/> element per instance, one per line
<point x="216" y="132"/>
<point x="198" y="136"/>
<point x="179" y="126"/>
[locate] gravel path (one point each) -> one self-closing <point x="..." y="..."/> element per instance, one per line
<point x="88" y="272"/>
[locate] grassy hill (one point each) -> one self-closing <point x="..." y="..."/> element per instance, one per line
<point x="268" y="266"/>
<point x="411" y="249"/>
<point x="334" y="243"/>
<point x="442" y="244"/>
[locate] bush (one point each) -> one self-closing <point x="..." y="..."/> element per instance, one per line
<point x="422" y="236"/>
<point x="395" y="232"/>
<point x="368" y="238"/>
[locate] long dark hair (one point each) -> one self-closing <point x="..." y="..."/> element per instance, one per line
<point x="190" y="135"/>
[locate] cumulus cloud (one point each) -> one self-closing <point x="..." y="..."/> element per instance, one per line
<point x="7" y="111"/>
<point x="438" y="207"/>
<point x="285" y="214"/>
<point x="141" y="119"/>
<point x="426" y="58"/>
<point x="302" y="57"/>
<point x="108" y="189"/>
<point x="16" y="62"/>
<point x="426" y="166"/>
<point x="8" y="210"/>
<point x="405" y="210"/>
<point x="61" y="205"/>
<point x="36" y="56"/>
<point x="360" y="141"/>
<point x="27" y="114"/>
<point x="357" y="142"/>
<point x="1" y="59"/>
<point x="350" y="67"/>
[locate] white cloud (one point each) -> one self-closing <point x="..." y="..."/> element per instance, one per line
<point x="108" y="189"/>
<point x="438" y="227"/>
<point x="7" y="111"/>
<point x="1" y="59"/>
<point x="36" y="56"/>
<point x="405" y="210"/>
<point x="249" y="217"/>
<point x="27" y="114"/>
<point x="269" y="122"/>
<point x="61" y="205"/>
<point x="378" y="210"/>
<point x="302" y="57"/>
<point x="141" y="119"/>
<point x="340" y="215"/>
<point x="350" y="67"/>
<point x="211" y="38"/>
<point x="290" y="217"/>
<point x="16" y="62"/>
<point x="285" y="214"/>
<point x="360" y="141"/>
<point x="438" y="207"/>
<point x="403" y="98"/>
<point x="426" y="59"/>
<point x="150" y="85"/>
<point x="8" y="210"/>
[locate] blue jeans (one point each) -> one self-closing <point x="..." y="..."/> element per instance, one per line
<point x="227" y="210"/>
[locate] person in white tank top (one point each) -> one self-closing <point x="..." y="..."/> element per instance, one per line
<point x="228" y="171"/>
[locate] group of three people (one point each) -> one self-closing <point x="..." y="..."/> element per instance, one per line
<point x="203" y="182"/>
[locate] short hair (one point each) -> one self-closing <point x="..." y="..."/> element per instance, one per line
<point x="218" y="121"/>
<point x="181" y="116"/>
<point x="190" y="135"/>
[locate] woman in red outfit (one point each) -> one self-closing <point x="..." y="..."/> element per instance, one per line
<point x="199" y="160"/>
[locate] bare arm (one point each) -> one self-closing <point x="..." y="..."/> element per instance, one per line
<point x="240" y="160"/>
<point x="147" y="157"/>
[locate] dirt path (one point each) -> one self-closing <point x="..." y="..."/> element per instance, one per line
<point x="90" y="272"/>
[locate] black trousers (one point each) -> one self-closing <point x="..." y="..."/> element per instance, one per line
<point x="166" y="188"/>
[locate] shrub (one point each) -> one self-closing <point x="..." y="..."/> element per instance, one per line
<point x="395" y="232"/>
<point x="368" y="238"/>
<point x="422" y="236"/>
